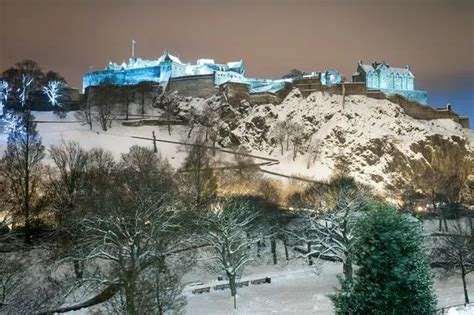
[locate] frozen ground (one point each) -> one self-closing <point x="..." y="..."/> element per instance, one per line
<point x="296" y="288"/>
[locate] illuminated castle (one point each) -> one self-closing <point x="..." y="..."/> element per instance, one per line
<point x="168" y="67"/>
<point x="390" y="80"/>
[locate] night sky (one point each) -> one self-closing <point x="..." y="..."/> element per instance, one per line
<point x="436" y="37"/>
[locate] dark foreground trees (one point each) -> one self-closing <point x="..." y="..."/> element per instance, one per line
<point x="393" y="274"/>
<point x="135" y="244"/>
<point x="21" y="168"/>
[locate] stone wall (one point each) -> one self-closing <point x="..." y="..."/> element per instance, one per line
<point x="194" y="86"/>
<point x="264" y="98"/>
<point x="419" y="111"/>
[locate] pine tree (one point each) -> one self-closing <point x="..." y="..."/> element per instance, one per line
<point x="22" y="161"/>
<point x="393" y="274"/>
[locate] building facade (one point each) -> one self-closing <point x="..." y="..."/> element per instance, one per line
<point x="390" y="80"/>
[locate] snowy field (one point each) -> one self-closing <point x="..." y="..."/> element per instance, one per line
<point x="295" y="288"/>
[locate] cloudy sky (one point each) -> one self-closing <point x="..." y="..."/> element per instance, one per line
<point x="436" y="37"/>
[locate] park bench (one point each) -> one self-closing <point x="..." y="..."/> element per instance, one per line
<point x="242" y="284"/>
<point x="222" y="286"/>
<point x="261" y="281"/>
<point x="202" y="290"/>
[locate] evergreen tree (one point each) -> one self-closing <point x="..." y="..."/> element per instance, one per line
<point x="22" y="162"/>
<point x="393" y="275"/>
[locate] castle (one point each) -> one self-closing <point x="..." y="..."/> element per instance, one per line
<point x="169" y="67"/>
<point x="376" y="76"/>
<point x="207" y="78"/>
<point x="390" y="80"/>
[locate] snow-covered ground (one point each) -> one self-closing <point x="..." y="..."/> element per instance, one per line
<point x="295" y="288"/>
<point x="118" y="139"/>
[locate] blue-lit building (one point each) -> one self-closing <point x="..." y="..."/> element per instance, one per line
<point x="168" y="67"/>
<point x="390" y="80"/>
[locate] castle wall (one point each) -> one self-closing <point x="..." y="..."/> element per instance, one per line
<point x="122" y="77"/>
<point x="264" y="98"/>
<point x="418" y="111"/>
<point x="194" y="86"/>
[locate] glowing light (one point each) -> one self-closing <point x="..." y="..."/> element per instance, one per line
<point x="4" y="92"/>
<point x="12" y="122"/>
<point x="23" y="91"/>
<point x="53" y="91"/>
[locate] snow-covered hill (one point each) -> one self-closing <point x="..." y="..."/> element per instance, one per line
<point x="377" y="139"/>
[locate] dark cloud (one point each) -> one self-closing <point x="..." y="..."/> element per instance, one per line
<point x="272" y="37"/>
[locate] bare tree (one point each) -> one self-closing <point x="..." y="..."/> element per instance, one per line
<point x="53" y="90"/>
<point x="68" y="189"/>
<point x="327" y="218"/>
<point x="313" y="152"/>
<point x="168" y="103"/>
<point x="296" y="136"/>
<point x="4" y="94"/>
<point x="84" y="114"/>
<point x="226" y="230"/>
<point x="454" y="252"/>
<point x="105" y="98"/>
<point x="22" y="166"/>
<point x="133" y="243"/>
<point x="279" y="132"/>
<point x="198" y="181"/>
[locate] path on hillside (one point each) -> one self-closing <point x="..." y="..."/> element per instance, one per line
<point x="266" y="161"/>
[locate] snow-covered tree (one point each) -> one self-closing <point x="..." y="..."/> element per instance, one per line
<point x="53" y="91"/>
<point x="25" y="89"/>
<point x="134" y="244"/>
<point x="279" y="132"/>
<point x="169" y="104"/>
<point x="455" y="252"/>
<point x="4" y="94"/>
<point x="226" y="230"/>
<point x="328" y="213"/>
<point x="296" y="136"/>
<point x="393" y="272"/>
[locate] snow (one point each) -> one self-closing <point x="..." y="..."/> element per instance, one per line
<point x="348" y="130"/>
<point x="295" y="288"/>
<point x="461" y="310"/>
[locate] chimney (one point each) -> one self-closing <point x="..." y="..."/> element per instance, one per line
<point x="448" y="107"/>
<point x="407" y="67"/>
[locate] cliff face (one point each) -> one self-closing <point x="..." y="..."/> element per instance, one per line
<point x="374" y="139"/>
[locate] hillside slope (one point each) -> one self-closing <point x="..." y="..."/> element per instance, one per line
<point x="376" y="141"/>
